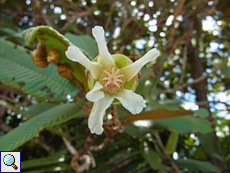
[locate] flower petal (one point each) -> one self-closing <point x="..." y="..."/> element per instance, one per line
<point x="131" y="70"/>
<point x="105" y="58"/>
<point x="131" y="101"/>
<point x="76" y="55"/>
<point x="95" y="121"/>
<point x="96" y="93"/>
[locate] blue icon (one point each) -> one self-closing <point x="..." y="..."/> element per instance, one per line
<point x="9" y="160"/>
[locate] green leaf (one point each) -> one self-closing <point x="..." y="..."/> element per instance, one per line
<point x="113" y="163"/>
<point x="30" y="128"/>
<point x="142" y="88"/>
<point x="38" y="108"/>
<point x="53" y="168"/>
<point x="10" y="106"/>
<point x="42" y="162"/>
<point x="150" y="155"/>
<point x="158" y="114"/>
<point x="17" y="70"/>
<point x="210" y="145"/>
<point x="225" y="69"/>
<point x="202" y="112"/>
<point x="84" y="42"/>
<point x="196" y="165"/>
<point x="136" y="131"/>
<point x="53" y="39"/>
<point x="167" y="104"/>
<point x="57" y="132"/>
<point x="171" y="144"/>
<point x="185" y="124"/>
<point x="47" y="34"/>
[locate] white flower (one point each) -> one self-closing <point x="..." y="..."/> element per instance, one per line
<point x="109" y="80"/>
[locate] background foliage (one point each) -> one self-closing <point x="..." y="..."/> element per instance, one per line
<point x="185" y="127"/>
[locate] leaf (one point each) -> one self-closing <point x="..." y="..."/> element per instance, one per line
<point x="10" y="106"/>
<point x="30" y="128"/>
<point x="38" y="108"/>
<point x="113" y="163"/>
<point x="157" y="114"/>
<point x="42" y="162"/>
<point x="142" y="88"/>
<point x="185" y="124"/>
<point x="202" y="112"/>
<point x="45" y="33"/>
<point x="17" y="70"/>
<point x="167" y="104"/>
<point x="210" y="145"/>
<point x="196" y="165"/>
<point x="150" y="155"/>
<point x="225" y="69"/>
<point x="136" y="131"/>
<point x="54" y="168"/>
<point x="129" y="167"/>
<point x="84" y="42"/>
<point x="53" y="39"/>
<point x="171" y="144"/>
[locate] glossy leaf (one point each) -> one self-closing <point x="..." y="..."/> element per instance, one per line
<point x="17" y="70"/>
<point x="150" y="155"/>
<point x="208" y="142"/>
<point x="196" y="165"/>
<point x="38" y="108"/>
<point x="171" y="144"/>
<point x="185" y="124"/>
<point x="159" y="114"/>
<point x="202" y="112"/>
<point x="30" y="128"/>
<point x="42" y="162"/>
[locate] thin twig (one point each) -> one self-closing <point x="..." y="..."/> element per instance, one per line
<point x="69" y="147"/>
<point x="197" y="80"/>
<point x="81" y="155"/>
<point x="184" y="63"/>
<point x="161" y="146"/>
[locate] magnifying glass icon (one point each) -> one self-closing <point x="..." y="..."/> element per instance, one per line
<point x="9" y="160"/>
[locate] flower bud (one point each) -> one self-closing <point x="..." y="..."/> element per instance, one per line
<point x="53" y="56"/>
<point x="132" y="58"/>
<point x="42" y="49"/>
<point x="139" y="74"/>
<point x="87" y="73"/>
<point x="65" y="70"/>
<point x="39" y="59"/>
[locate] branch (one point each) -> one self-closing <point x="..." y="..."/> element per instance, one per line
<point x="197" y="80"/>
<point x="81" y="155"/>
<point x="161" y="146"/>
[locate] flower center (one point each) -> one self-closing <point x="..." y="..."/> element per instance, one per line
<point x="112" y="80"/>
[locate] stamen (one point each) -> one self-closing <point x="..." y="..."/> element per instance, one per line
<point x="117" y="84"/>
<point x="118" y="80"/>
<point x="107" y="72"/>
<point x="112" y="80"/>
<point x="107" y="83"/>
<point x="106" y="78"/>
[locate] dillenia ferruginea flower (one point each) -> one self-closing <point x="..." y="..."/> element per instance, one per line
<point x="113" y="78"/>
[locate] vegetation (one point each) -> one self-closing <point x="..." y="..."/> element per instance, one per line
<point x="43" y="109"/>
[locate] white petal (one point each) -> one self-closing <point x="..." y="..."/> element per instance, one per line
<point x="105" y="58"/>
<point x="131" y="101"/>
<point x="76" y="55"/>
<point x="96" y="93"/>
<point x="131" y="70"/>
<point x="95" y="121"/>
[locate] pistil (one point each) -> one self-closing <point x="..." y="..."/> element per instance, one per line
<point x="112" y="80"/>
